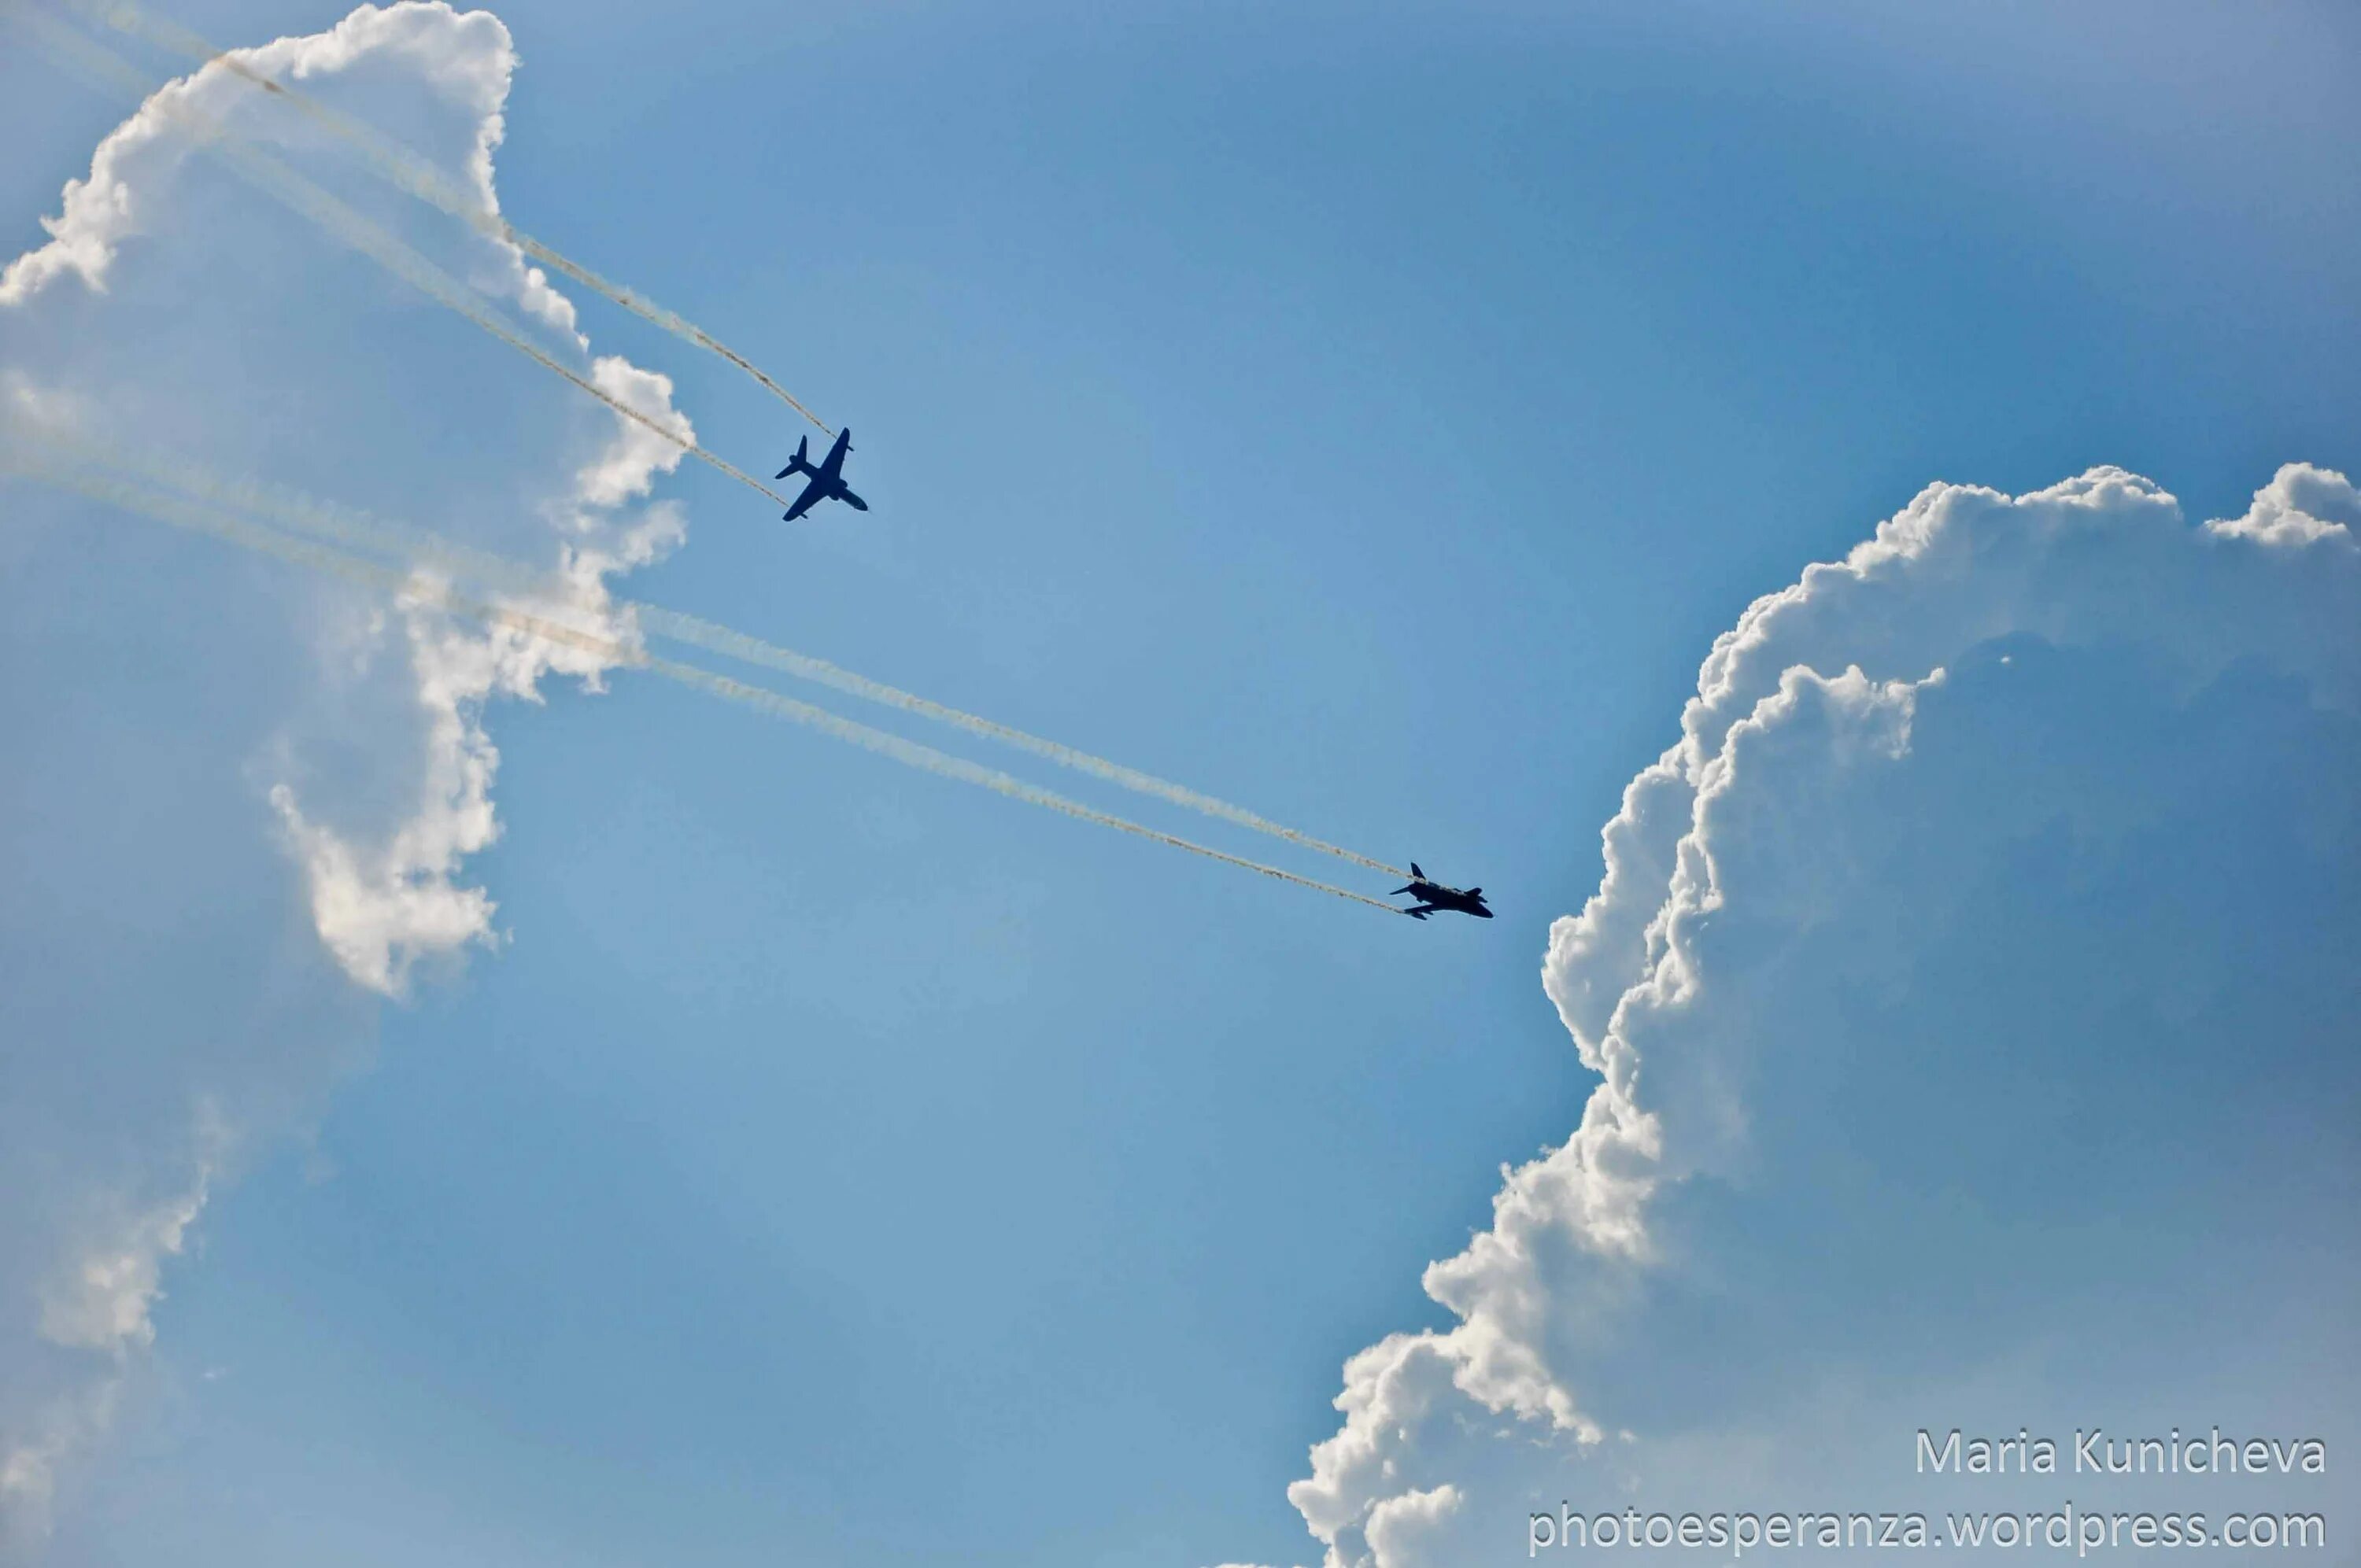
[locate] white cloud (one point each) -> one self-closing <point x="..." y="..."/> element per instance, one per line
<point x="1761" y="862"/>
<point x="255" y="722"/>
<point x="101" y="1299"/>
<point x="626" y="468"/>
<point x="29" y="1464"/>
<point x="465" y="59"/>
<point x="1401" y="1526"/>
<point x="2301" y="505"/>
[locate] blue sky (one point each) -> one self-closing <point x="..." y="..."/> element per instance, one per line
<point x="1368" y="416"/>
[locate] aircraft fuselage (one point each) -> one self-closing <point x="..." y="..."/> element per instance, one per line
<point x="1436" y="898"/>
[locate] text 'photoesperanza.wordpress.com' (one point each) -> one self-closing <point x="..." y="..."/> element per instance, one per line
<point x="2069" y="1525"/>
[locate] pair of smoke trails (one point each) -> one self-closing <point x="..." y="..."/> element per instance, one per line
<point x="417" y="546"/>
<point x="228" y="526"/>
<point x="409" y="172"/>
<point x="277" y="179"/>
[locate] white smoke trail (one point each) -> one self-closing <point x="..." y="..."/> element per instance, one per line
<point x="737" y="644"/>
<point x="409" y="172"/>
<point x="362" y="530"/>
<point x="276" y="178"/>
<point x="181" y="513"/>
<point x="932" y="761"/>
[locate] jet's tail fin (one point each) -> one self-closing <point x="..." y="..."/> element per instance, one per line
<point x="1416" y="873"/>
<point x="801" y="463"/>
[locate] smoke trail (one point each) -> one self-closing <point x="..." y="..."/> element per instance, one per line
<point x="422" y="180"/>
<point x="361" y="531"/>
<point x="936" y="762"/>
<point x="715" y="639"/>
<point x="181" y="513"/>
<point x="260" y="169"/>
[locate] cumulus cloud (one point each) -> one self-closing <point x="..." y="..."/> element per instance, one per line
<point x="2301" y="505"/>
<point x="625" y="469"/>
<point x="274" y="824"/>
<point x="2056" y="675"/>
<point x="465" y="60"/>
<point x="381" y="906"/>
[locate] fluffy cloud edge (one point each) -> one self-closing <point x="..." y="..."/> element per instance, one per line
<point x="1959" y="567"/>
<point x="381" y="904"/>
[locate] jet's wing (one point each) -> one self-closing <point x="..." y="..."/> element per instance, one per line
<point x="1420" y="911"/>
<point x="816" y="488"/>
<point x="832" y="466"/>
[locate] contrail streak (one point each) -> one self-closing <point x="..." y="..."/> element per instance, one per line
<point x="737" y="644"/>
<point x="234" y="529"/>
<point x="410" y="172"/>
<point x="260" y="169"/>
<point x="363" y="530"/>
<point x="934" y="762"/>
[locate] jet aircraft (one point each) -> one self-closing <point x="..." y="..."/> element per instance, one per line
<point x="1434" y="897"/>
<point x="826" y="480"/>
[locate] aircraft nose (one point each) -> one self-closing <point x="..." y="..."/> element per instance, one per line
<point x="1485" y="913"/>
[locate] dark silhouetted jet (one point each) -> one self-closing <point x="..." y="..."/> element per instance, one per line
<point x="1434" y="897"/>
<point x="826" y="480"/>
